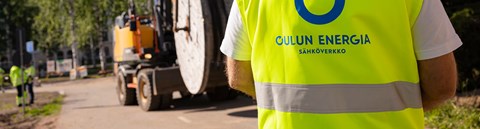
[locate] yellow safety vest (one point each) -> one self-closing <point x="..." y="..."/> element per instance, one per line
<point x="16" y="76"/>
<point x="334" y="64"/>
<point x="30" y="73"/>
<point x="2" y="72"/>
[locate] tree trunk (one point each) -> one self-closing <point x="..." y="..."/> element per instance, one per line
<point x="101" y="52"/>
<point x="10" y="50"/>
<point x="72" y="32"/>
<point x="75" y="60"/>
<point x="102" y="57"/>
<point x="92" y="53"/>
<point x="10" y="53"/>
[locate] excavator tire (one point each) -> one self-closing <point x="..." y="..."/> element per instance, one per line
<point x="126" y="96"/>
<point x="145" y="96"/>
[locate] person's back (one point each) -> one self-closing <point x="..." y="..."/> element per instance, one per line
<point x="351" y="64"/>
<point x="15" y="76"/>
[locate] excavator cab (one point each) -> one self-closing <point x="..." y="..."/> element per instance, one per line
<point x="138" y="39"/>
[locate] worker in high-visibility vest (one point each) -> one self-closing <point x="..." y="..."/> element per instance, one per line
<point x="341" y="64"/>
<point x="29" y="78"/>
<point x="2" y="72"/>
<point x="17" y="82"/>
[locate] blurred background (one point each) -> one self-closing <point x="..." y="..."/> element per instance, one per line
<point x="59" y="29"/>
<point x="81" y="31"/>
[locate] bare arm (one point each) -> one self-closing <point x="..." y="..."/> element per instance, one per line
<point x="438" y="80"/>
<point x="240" y="76"/>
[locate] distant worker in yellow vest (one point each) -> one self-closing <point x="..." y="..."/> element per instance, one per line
<point x="16" y="80"/>
<point x="30" y="76"/>
<point x="2" y="85"/>
<point x="341" y="64"/>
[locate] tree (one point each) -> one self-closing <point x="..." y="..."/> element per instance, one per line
<point x="49" y="25"/>
<point x="104" y="11"/>
<point x="74" y="23"/>
<point x="14" y="14"/>
<point x="465" y="17"/>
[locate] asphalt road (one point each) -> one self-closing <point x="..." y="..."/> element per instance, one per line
<point x="93" y="104"/>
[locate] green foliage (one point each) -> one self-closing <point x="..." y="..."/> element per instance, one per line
<point x="67" y="21"/>
<point x="465" y="17"/>
<point x="49" y="109"/>
<point x="467" y="25"/>
<point x="62" y="23"/>
<point x="450" y="116"/>
<point x="143" y="7"/>
<point x="48" y="25"/>
<point x="14" y="14"/>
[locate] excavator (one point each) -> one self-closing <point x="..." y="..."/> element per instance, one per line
<point x="167" y="46"/>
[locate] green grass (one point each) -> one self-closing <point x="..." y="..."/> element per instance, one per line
<point x="55" y="79"/>
<point x="6" y="106"/>
<point x="49" y="109"/>
<point x="67" y="78"/>
<point x="99" y="76"/>
<point x="450" y="116"/>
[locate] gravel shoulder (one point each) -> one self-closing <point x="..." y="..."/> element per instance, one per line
<point x="12" y="118"/>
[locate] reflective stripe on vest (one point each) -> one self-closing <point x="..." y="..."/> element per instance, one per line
<point x="334" y="63"/>
<point x="338" y="98"/>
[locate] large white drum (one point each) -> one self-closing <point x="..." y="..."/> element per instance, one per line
<point x="199" y="29"/>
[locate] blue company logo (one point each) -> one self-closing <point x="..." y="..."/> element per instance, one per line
<point x="320" y="19"/>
